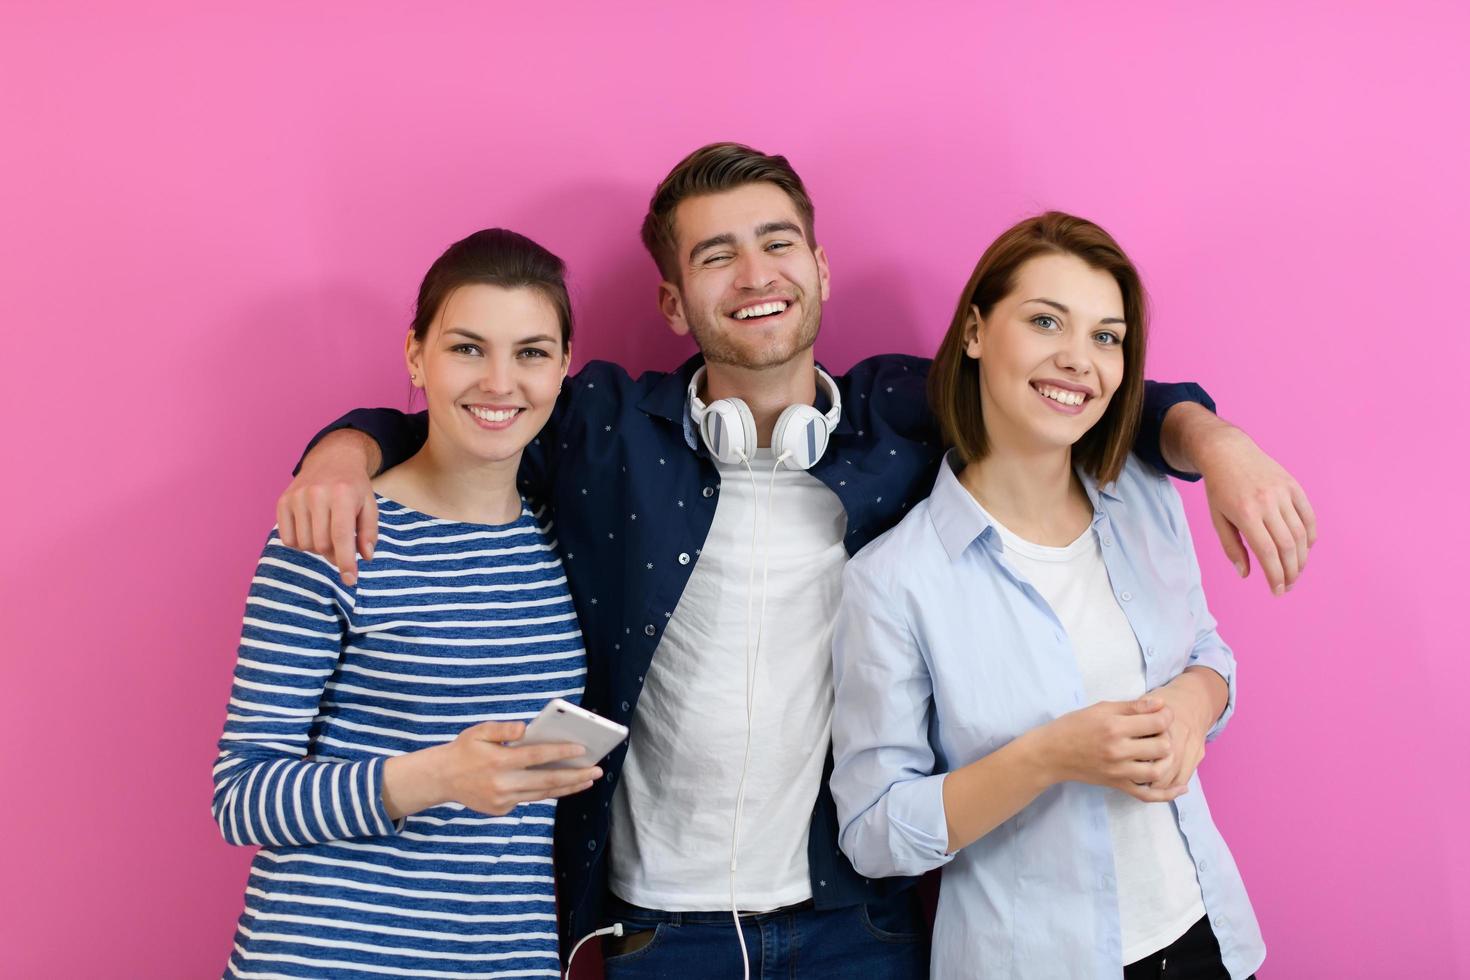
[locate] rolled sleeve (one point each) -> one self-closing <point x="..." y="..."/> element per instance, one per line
<point x="890" y="802"/>
<point x="397" y="434"/>
<point x="1158" y="398"/>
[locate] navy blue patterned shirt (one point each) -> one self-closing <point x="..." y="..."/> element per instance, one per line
<point x="634" y="495"/>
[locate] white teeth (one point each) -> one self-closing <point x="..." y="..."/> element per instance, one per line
<point x="762" y="309"/>
<point x="1065" y="397"/>
<point x="488" y="415"/>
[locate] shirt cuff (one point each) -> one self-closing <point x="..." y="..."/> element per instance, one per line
<point x="918" y="835"/>
<point x="1224" y="665"/>
<point x="388" y="825"/>
<point x="1161" y="397"/>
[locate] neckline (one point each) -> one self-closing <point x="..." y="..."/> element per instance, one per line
<point x="415" y="512"/>
<point x="1031" y="549"/>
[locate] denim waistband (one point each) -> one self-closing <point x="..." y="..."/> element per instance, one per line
<point x="618" y="910"/>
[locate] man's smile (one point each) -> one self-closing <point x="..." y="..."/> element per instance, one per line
<point x="760" y="310"/>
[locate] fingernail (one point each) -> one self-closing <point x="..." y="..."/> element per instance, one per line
<point x="1240" y="569"/>
<point x="1279" y="590"/>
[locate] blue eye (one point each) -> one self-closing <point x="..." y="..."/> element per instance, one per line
<point x="1108" y="339"/>
<point x="1046" y="321"/>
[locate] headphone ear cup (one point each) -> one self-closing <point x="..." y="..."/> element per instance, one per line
<point x="728" y="430"/>
<point x="801" y="434"/>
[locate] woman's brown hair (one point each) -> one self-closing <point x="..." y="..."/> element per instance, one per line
<point x="954" y="382"/>
<point x="494" y="257"/>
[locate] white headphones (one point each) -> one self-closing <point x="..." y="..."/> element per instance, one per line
<point x="799" y="439"/>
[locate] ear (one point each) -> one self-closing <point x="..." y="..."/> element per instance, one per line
<point x="413" y="359"/>
<point x="824" y="274"/>
<point x="671" y="305"/>
<point x="973" y="326"/>
<point x="566" y="362"/>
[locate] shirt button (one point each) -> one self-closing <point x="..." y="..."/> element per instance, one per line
<point x="684" y="558"/>
<point x="1148" y="651"/>
<point x="1126" y="596"/>
<point x="625" y="707"/>
<point x="708" y="491"/>
<point x="592" y="845"/>
<point x="1204" y="865"/>
<point x="1107" y="542"/>
<point x="649" y="630"/>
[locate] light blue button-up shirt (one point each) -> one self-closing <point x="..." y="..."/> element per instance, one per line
<point x="943" y="653"/>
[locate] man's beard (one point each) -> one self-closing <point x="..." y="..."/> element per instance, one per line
<point x="725" y="346"/>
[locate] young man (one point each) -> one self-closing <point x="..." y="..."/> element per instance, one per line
<point x="706" y="572"/>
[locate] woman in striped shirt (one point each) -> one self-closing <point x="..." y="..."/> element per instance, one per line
<point x="363" y="748"/>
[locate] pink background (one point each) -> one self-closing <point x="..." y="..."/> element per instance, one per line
<point x="212" y="223"/>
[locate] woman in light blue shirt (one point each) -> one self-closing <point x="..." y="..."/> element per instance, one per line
<point x="1025" y="667"/>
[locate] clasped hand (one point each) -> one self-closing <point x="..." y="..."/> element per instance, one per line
<point x="1136" y="747"/>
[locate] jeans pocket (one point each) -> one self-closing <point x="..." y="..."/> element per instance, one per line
<point x="634" y="943"/>
<point x="893" y="921"/>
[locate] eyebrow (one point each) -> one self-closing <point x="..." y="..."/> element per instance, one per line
<point x="1054" y="304"/>
<point x="709" y="243"/>
<point x="761" y="231"/>
<point x="771" y="227"/>
<point x="540" y="338"/>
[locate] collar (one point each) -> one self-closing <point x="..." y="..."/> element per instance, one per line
<point x="668" y="399"/>
<point x="959" y="521"/>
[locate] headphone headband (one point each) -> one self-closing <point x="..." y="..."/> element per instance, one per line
<point x="800" y="437"/>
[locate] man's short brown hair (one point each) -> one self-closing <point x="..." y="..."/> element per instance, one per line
<point x="710" y="170"/>
<point x="954" y="381"/>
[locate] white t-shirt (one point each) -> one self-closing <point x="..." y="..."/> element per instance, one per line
<point x="674" y="809"/>
<point x="1158" y="892"/>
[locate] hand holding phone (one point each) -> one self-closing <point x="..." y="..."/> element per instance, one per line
<point x="562" y="721"/>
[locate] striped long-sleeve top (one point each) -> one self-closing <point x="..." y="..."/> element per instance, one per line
<point x="450" y="625"/>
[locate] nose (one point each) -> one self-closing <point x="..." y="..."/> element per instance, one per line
<point x="755" y="270"/>
<point x="496" y="378"/>
<point x="1074" y="355"/>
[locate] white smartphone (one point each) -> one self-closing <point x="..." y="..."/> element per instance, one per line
<point x="562" y="721"/>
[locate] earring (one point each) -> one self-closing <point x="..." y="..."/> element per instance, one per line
<point x="413" y="378"/>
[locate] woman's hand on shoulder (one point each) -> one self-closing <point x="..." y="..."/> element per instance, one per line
<point x="1124" y="745"/>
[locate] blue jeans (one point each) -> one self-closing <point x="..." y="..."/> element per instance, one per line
<point x="884" y="940"/>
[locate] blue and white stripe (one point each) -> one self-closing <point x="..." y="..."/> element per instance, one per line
<point x="451" y="624"/>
